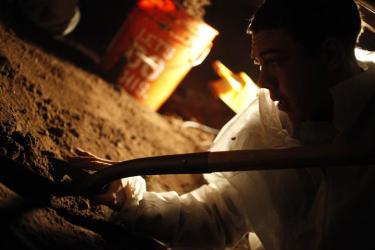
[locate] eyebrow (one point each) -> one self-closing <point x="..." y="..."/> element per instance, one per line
<point x="270" y="51"/>
<point x="265" y="53"/>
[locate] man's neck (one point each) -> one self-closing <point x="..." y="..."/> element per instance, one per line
<point x="348" y="69"/>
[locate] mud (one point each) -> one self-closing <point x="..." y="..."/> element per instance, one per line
<point x="48" y="107"/>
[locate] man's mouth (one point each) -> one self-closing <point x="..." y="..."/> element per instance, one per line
<point x="281" y="105"/>
<point x="280" y="102"/>
<point x="274" y="97"/>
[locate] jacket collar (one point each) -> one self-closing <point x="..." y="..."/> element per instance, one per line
<point x="351" y="96"/>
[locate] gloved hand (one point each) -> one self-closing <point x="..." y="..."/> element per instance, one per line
<point x="119" y="193"/>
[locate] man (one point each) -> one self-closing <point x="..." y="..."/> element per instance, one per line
<point x="305" y="51"/>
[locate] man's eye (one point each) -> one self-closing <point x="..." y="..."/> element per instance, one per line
<point x="271" y="61"/>
<point x="256" y="61"/>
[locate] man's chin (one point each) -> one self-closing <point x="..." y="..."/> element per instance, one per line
<point x="294" y="117"/>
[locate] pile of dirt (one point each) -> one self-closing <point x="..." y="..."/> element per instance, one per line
<point x="196" y="8"/>
<point x="49" y="107"/>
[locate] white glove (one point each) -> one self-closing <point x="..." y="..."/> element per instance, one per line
<point x="120" y="193"/>
<point x="123" y="192"/>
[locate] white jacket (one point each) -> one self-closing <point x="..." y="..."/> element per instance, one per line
<point x="287" y="209"/>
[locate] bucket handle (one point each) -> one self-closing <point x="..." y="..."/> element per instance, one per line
<point x="154" y="65"/>
<point x="202" y="56"/>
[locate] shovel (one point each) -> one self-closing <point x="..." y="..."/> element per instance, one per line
<point x="203" y="162"/>
<point x="228" y="161"/>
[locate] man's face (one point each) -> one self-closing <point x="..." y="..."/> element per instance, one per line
<point x="296" y="79"/>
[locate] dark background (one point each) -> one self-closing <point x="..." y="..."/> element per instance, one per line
<point x="192" y="100"/>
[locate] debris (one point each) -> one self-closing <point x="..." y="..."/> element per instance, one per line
<point x="195" y="8"/>
<point x="45" y="117"/>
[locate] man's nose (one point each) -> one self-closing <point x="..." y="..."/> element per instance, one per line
<point x="262" y="79"/>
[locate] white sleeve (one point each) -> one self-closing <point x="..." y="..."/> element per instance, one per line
<point x="219" y="214"/>
<point x="210" y="217"/>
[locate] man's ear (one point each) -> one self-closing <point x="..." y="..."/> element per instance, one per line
<point x="332" y="54"/>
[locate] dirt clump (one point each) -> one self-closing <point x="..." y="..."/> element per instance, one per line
<point x="49" y="107"/>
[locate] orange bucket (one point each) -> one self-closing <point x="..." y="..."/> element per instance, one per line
<point x="154" y="50"/>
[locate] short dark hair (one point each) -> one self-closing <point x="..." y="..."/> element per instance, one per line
<point x="311" y="22"/>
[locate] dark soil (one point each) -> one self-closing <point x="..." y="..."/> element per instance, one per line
<point x="48" y="107"/>
<point x="53" y="100"/>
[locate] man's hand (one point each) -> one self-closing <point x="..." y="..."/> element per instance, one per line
<point x="118" y="192"/>
<point x="89" y="161"/>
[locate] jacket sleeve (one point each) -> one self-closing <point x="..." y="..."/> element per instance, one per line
<point x="219" y="214"/>
<point x="210" y="217"/>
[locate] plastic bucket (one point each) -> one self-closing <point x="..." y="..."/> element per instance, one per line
<point x="154" y="50"/>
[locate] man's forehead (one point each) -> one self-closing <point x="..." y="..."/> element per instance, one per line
<point x="270" y="40"/>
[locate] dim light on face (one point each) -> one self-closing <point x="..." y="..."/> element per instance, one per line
<point x="295" y="79"/>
